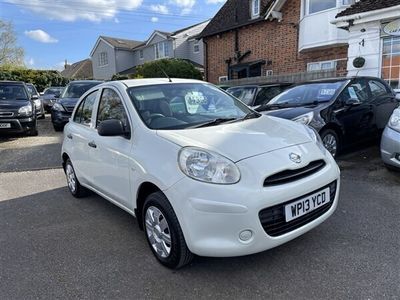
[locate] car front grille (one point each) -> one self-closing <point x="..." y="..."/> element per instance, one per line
<point x="293" y="175"/>
<point x="273" y="218"/>
<point x="6" y="114"/>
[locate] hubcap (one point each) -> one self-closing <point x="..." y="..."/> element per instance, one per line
<point x="330" y="143"/>
<point x="158" y="232"/>
<point x="71" y="180"/>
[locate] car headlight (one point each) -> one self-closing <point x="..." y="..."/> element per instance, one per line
<point x="25" y="110"/>
<point x="37" y="103"/>
<point x="316" y="138"/>
<point x="394" y="121"/>
<point x="58" y="107"/>
<point x="304" y="119"/>
<point x="207" y="166"/>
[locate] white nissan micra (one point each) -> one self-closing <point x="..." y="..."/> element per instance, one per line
<point x="203" y="173"/>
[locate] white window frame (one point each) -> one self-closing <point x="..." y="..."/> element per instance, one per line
<point x="103" y="59"/>
<point x="196" y="47"/>
<point x="255" y="8"/>
<point x="141" y="54"/>
<point x="319" y="65"/>
<point x="269" y="73"/>
<point x="161" y="50"/>
<point x="222" y="79"/>
<point x="307" y="8"/>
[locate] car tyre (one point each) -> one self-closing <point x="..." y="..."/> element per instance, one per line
<point x="163" y="232"/>
<point x="76" y="189"/>
<point x="34" y="131"/>
<point x="58" y="128"/>
<point x="391" y="168"/>
<point x="331" y="141"/>
<point x="42" y="117"/>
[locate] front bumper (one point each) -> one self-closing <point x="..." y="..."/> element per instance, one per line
<point x="60" y="118"/>
<point x="18" y="125"/>
<point x="390" y="147"/>
<point x="212" y="217"/>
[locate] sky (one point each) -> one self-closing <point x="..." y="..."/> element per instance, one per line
<point x="52" y="31"/>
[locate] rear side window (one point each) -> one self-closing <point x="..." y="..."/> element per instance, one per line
<point x="267" y="93"/>
<point x="377" y="88"/>
<point x="83" y="113"/>
<point x="111" y="107"/>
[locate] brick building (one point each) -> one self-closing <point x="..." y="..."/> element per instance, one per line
<point x="249" y="38"/>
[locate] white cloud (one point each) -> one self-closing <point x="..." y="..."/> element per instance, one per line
<point x="154" y="19"/>
<point x="186" y="6"/>
<point x="158" y="8"/>
<point x="215" y="1"/>
<point x="40" y="36"/>
<point x="116" y="20"/>
<point x="91" y="10"/>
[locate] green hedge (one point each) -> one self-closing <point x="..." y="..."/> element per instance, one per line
<point x="40" y="78"/>
<point x="175" y="68"/>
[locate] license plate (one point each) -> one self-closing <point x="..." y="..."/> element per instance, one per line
<point x="307" y="204"/>
<point x="5" y="125"/>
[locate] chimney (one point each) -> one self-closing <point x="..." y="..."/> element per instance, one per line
<point x="65" y="64"/>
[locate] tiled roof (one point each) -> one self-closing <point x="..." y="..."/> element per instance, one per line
<point x="367" y="5"/>
<point x="234" y="14"/>
<point x="123" y="44"/>
<point x="79" y="70"/>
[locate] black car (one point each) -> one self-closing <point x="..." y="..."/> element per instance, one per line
<point x="50" y="96"/>
<point x="37" y="100"/>
<point x="17" y="110"/>
<point x="63" y="108"/>
<point x="256" y="95"/>
<point x="343" y="110"/>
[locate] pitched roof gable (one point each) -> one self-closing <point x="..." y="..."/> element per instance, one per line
<point x="79" y="70"/>
<point x="367" y="5"/>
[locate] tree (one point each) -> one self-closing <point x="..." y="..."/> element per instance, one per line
<point x="10" y="52"/>
<point x="175" y="68"/>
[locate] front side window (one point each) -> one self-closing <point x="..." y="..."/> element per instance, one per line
<point x="255" y="8"/>
<point x="103" y="59"/>
<point x="377" y="88"/>
<point x="314" y="6"/>
<point x="87" y="109"/>
<point x="111" y="108"/>
<point x="245" y="94"/>
<point x="357" y="90"/>
<point x="267" y="93"/>
<point x="184" y="105"/>
<point x="308" y="94"/>
<point x="32" y="90"/>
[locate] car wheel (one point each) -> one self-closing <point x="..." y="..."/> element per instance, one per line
<point x="58" y="128"/>
<point x="331" y="142"/>
<point x="392" y="168"/>
<point x="33" y="131"/>
<point x="42" y="117"/>
<point x="163" y="232"/>
<point x="74" y="186"/>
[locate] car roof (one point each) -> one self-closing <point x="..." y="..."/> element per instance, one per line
<point x="85" y="81"/>
<point x="152" y="81"/>
<point x="261" y="85"/>
<point x="12" y="82"/>
<point x="334" y="79"/>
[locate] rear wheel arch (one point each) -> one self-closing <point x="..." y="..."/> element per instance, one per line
<point x="144" y="190"/>
<point x="65" y="157"/>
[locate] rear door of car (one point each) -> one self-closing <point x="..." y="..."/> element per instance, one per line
<point x="110" y="157"/>
<point x="78" y="134"/>
<point x="383" y="100"/>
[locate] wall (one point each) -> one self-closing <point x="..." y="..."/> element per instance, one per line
<point x="124" y="60"/>
<point x="107" y="71"/>
<point x="149" y="52"/>
<point x="274" y="41"/>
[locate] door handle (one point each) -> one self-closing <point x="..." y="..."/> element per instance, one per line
<point x="92" y="144"/>
<point x="69" y="136"/>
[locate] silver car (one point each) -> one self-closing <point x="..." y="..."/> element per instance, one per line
<point x="390" y="144"/>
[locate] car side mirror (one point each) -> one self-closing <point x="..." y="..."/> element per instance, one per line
<point x="34" y="97"/>
<point x="112" y="127"/>
<point x="352" y="102"/>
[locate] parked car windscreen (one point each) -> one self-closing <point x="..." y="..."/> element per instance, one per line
<point x="308" y="93"/>
<point x="12" y="92"/>
<point x="76" y="90"/>
<point x="53" y="91"/>
<point x="245" y="94"/>
<point x="184" y="105"/>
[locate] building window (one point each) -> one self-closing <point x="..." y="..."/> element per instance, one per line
<point x="103" y="59"/>
<point x="391" y="61"/>
<point x="348" y="2"/>
<point x="255" y="8"/>
<point x="196" y="47"/>
<point x="222" y="79"/>
<point x="161" y="50"/>
<point x="141" y="56"/>
<point x="321" y="66"/>
<point x="269" y="73"/>
<point x="314" y="6"/>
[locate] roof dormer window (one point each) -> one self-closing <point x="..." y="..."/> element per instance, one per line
<point x="255" y="9"/>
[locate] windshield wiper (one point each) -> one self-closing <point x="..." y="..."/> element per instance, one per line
<point x="272" y="106"/>
<point x="250" y="115"/>
<point x="213" y="122"/>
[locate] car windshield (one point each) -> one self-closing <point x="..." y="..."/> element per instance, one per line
<point x="76" y="90"/>
<point x="32" y="90"/>
<point x="53" y="91"/>
<point x="308" y="94"/>
<point x="186" y="105"/>
<point x="13" y="92"/>
<point x="245" y="94"/>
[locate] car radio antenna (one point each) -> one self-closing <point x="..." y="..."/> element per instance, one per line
<point x="165" y="73"/>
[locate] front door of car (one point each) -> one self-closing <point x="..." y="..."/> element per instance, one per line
<point x="110" y="156"/>
<point x="355" y="115"/>
<point x="383" y="100"/>
<point x="78" y="134"/>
